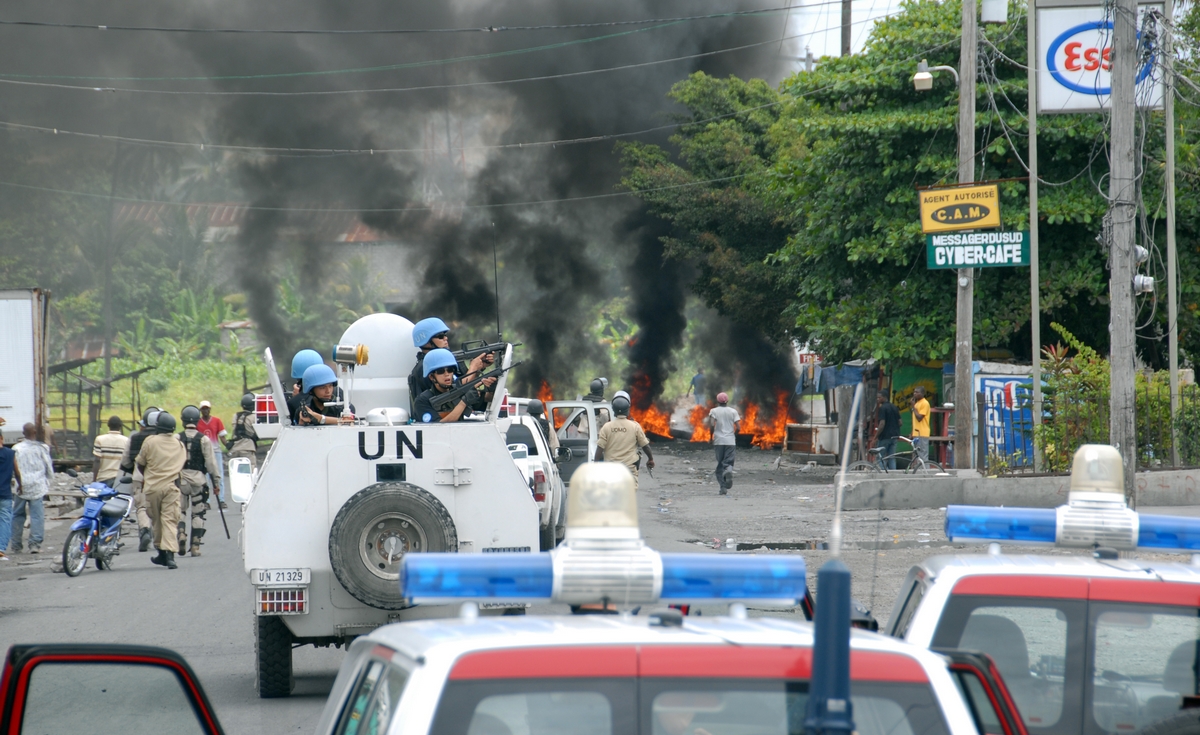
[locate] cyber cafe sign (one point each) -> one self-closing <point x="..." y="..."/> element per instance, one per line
<point x="1075" y="60"/>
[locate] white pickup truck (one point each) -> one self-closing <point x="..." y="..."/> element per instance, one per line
<point x="539" y="466"/>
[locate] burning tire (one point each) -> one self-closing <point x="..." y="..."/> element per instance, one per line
<point x="375" y="529"/>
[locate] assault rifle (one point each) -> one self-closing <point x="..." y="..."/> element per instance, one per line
<point x="445" y="401"/>
<point x="473" y="349"/>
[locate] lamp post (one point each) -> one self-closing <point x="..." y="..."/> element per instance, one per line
<point x="964" y="389"/>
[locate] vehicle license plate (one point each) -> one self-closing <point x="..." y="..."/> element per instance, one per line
<point x="280" y="577"/>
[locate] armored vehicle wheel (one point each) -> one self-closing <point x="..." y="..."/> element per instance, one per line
<point x="273" y="657"/>
<point x="375" y="529"/>
<point x="1184" y="722"/>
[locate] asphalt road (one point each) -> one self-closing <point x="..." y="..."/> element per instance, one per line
<point x="203" y="609"/>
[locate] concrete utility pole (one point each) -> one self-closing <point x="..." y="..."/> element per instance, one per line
<point x="964" y="383"/>
<point x="1035" y="296"/>
<point x="1122" y="213"/>
<point x="846" y="27"/>
<point x="1172" y="263"/>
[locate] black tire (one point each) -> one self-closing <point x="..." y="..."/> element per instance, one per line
<point x="1183" y="722"/>
<point x="862" y="466"/>
<point x="930" y="468"/>
<point x="73" y="558"/>
<point x="359" y="553"/>
<point x="273" y="657"/>
<point x="549" y="536"/>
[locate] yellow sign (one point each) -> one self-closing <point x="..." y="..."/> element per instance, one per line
<point x="960" y="208"/>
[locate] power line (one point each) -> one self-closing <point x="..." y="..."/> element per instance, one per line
<point x="427" y="87"/>
<point x="387" y="31"/>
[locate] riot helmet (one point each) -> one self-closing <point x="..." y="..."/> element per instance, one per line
<point x="534" y="407"/>
<point x="622" y="394"/>
<point x="147" y="419"/>
<point x="303" y="360"/>
<point x="439" y="358"/>
<point x="164" y="423"/>
<point x="620" y="405"/>
<point x="248" y="402"/>
<point x="426" y="329"/>
<point x="861" y="617"/>
<point x="318" y="375"/>
<point x="190" y="415"/>
<point x="596" y="388"/>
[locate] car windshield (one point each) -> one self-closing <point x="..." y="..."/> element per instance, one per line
<point x="671" y="707"/>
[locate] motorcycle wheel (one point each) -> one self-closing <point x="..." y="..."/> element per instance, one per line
<point x="75" y="556"/>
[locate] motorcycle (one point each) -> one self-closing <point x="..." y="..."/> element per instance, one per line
<point x="97" y="534"/>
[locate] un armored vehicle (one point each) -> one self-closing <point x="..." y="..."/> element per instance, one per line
<point x="334" y="509"/>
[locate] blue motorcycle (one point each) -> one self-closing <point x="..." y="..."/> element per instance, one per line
<point x="97" y="534"/>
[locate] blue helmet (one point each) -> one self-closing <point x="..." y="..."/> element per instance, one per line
<point x="438" y="358"/>
<point x="424" y="330"/>
<point x="303" y="360"/>
<point x="317" y="375"/>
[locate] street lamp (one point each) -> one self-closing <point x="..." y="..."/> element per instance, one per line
<point x="923" y="79"/>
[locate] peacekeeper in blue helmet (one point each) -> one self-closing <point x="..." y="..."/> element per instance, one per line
<point x="440" y="367"/>
<point x="433" y="334"/>
<point x="317" y="407"/>
<point x="303" y="360"/>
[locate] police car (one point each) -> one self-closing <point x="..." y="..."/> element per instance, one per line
<point x="1086" y="645"/>
<point x="333" y="509"/>
<point x="646" y="673"/>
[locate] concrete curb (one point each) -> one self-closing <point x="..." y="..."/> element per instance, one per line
<point x="1164" y="488"/>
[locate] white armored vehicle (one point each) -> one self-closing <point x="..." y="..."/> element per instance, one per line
<point x="335" y="508"/>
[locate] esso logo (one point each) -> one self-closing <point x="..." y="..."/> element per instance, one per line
<point x="1080" y="58"/>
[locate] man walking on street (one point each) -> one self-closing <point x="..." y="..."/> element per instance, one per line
<point x="8" y="472"/>
<point x="161" y="460"/>
<point x="620" y="439"/>
<point x="127" y="465"/>
<point x="920" y="423"/>
<point x="725" y="422"/>
<point x="37" y="473"/>
<point x="212" y="427"/>
<point x="887" y="429"/>
<point x="699" y="382"/>
<point x="108" y="449"/>
<point x="245" y="437"/>
<point x="200" y="462"/>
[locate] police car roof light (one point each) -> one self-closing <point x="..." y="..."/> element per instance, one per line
<point x="602" y="504"/>
<point x="505" y="576"/>
<point x="1168" y="532"/>
<point x="728" y="577"/>
<point x="984" y="523"/>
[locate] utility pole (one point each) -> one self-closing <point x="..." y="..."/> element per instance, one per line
<point x="845" y="27"/>
<point x="1121" y="213"/>
<point x="964" y="383"/>
<point x="1035" y="299"/>
<point x="1172" y="275"/>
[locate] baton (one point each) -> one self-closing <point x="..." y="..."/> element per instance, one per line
<point x="222" y="512"/>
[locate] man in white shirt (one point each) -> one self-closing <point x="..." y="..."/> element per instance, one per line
<point x="725" y="422"/>
<point x="37" y="473"/>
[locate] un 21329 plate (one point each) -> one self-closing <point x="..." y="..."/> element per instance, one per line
<point x="280" y="577"/>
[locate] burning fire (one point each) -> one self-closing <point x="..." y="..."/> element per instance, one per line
<point x="545" y="393"/>
<point x="652" y="419"/>
<point x="768" y="432"/>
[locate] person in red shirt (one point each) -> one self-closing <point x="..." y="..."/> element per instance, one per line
<point x="212" y="427"/>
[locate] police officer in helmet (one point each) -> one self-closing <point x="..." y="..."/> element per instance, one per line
<point x="161" y="460"/>
<point x="245" y="436"/>
<point x="200" y="461"/>
<point x="440" y="368"/>
<point x="620" y="439"/>
<point x="535" y="409"/>
<point x="303" y="360"/>
<point x="147" y="427"/>
<point x="316" y="408"/>
<point x="428" y="334"/>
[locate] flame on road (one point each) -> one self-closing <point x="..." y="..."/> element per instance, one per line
<point x="768" y="425"/>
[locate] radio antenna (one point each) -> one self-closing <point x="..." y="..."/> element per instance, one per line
<point x="496" y="282"/>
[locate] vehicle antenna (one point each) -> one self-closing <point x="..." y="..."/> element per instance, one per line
<point x="835" y="533"/>
<point x="496" y="282"/>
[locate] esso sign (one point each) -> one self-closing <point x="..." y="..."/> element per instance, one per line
<point x="1075" y="46"/>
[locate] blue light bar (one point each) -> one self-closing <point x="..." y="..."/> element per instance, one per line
<point x="728" y="577"/>
<point x="1168" y="532"/>
<point x="508" y="576"/>
<point x="983" y="523"/>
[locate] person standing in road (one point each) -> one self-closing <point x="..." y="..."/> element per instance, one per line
<point x="887" y="429"/>
<point x="128" y="466"/>
<point x="161" y="459"/>
<point x="201" y="461"/>
<point x="108" y="449"/>
<point x="8" y="472"/>
<point x="698" y="384"/>
<point x="920" y="423"/>
<point x="212" y="427"/>
<point x="725" y="422"/>
<point x="37" y="473"/>
<point x="244" y="444"/>
<point x="620" y="439"/>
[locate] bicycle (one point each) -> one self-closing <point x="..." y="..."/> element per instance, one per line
<point x="916" y="464"/>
